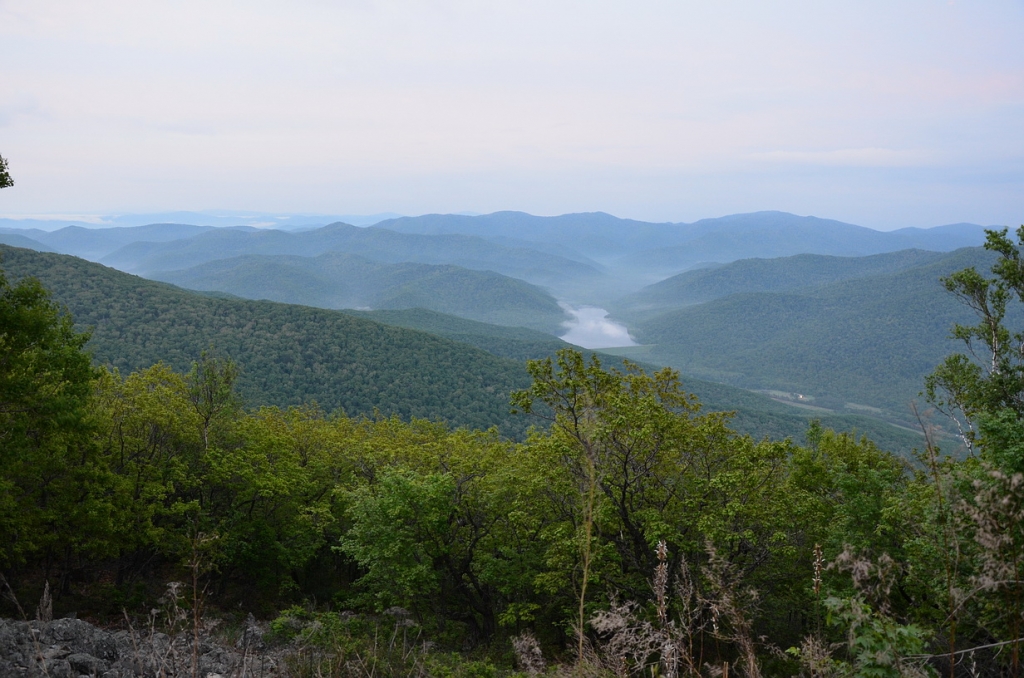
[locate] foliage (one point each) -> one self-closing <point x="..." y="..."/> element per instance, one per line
<point x="343" y="645"/>
<point x="990" y="376"/>
<point x="641" y="464"/>
<point x="51" y="486"/>
<point x="5" y="174"/>
<point x="878" y="646"/>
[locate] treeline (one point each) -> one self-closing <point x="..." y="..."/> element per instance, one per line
<point x="631" y="533"/>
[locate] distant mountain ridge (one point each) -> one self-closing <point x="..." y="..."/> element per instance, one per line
<point x="19" y="240"/>
<point x="214" y="218"/>
<point x="583" y="259"/>
<point x="636" y="253"/>
<point x="599" y="234"/>
<point x="371" y="242"/>
<point x="607" y="237"/>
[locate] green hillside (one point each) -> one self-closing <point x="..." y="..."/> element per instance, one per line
<point x="337" y="280"/>
<point x="287" y="354"/>
<point x="763" y="275"/>
<point x="867" y="341"/>
<point x="516" y="343"/>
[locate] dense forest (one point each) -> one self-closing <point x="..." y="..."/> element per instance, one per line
<point x="286" y="354"/>
<point x="630" y="533"/>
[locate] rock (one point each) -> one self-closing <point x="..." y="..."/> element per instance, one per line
<point x="87" y="664"/>
<point x="72" y="648"/>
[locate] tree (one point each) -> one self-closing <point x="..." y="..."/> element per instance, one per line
<point x="989" y="377"/>
<point x="440" y="522"/>
<point x="5" y="175"/>
<point x="982" y="390"/>
<point x="48" y="466"/>
<point x="211" y="385"/>
<point x="634" y="463"/>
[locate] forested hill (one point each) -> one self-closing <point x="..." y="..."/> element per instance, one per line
<point x="339" y="280"/>
<point x="755" y="414"/>
<point x="763" y="275"/>
<point x="518" y="343"/>
<point x="287" y="354"/>
<point x="867" y="341"/>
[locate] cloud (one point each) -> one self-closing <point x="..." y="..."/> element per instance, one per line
<point x="369" y="106"/>
<point x="849" y="157"/>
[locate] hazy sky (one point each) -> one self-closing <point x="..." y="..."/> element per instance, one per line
<point x="887" y="114"/>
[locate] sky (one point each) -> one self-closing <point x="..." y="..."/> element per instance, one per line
<point x="884" y="113"/>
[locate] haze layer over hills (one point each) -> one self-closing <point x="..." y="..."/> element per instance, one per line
<point x="581" y="258"/>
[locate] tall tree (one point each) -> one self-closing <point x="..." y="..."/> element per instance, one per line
<point x="989" y="376"/>
<point x="46" y="468"/>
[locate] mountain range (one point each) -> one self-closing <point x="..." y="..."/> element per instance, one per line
<point x="811" y="311"/>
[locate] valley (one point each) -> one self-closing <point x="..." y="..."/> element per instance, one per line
<point x="765" y="304"/>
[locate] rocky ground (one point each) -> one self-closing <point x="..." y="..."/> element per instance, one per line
<point x="73" y="648"/>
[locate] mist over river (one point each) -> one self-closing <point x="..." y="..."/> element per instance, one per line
<point x="591" y="328"/>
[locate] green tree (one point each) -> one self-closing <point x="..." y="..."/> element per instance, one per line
<point x="989" y="376"/>
<point x="633" y="461"/>
<point x="982" y="390"/>
<point x="51" y="480"/>
<point x="150" y="437"/>
<point x="5" y="174"/>
<point x="211" y="390"/>
<point x="444" y="523"/>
